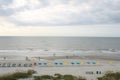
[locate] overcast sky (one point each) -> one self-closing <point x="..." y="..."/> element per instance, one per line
<point x="60" y="18"/>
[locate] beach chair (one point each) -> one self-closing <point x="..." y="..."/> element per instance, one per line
<point x="19" y="65"/>
<point x="30" y="65"/>
<point x="25" y="65"/>
<point x="4" y="65"/>
<point x="14" y="65"/>
<point x="0" y="64"/>
<point x="8" y="64"/>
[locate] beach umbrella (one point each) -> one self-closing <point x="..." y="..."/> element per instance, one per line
<point x="110" y="62"/>
<point x="56" y="63"/>
<point x="35" y="63"/>
<point x="88" y="62"/>
<point x="66" y="63"/>
<point x="49" y="63"/>
<point x="93" y="62"/>
<point x="77" y="62"/>
<point x="83" y="62"/>
<point x="61" y="63"/>
<point x="98" y="62"/>
<point x="72" y="63"/>
<point x="40" y="63"/>
<point x="45" y="63"/>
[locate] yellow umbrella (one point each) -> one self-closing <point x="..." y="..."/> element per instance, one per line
<point x="66" y="63"/>
<point x="110" y="62"/>
<point x="83" y="62"/>
<point x="99" y="62"/>
<point x="49" y="63"/>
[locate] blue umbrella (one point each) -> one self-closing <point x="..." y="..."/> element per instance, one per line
<point x="72" y="63"/>
<point x="40" y="63"/>
<point x="56" y="63"/>
<point x="88" y="62"/>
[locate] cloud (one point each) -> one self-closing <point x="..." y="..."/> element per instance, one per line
<point x="17" y="4"/>
<point x="60" y="18"/>
<point x="56" y="15"/>
<point x="62" y="12"/>
<point x="10" y="29"/>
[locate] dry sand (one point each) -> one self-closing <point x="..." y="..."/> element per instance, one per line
<point x="79" y="70"/>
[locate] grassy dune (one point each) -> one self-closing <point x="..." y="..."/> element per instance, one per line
<point x="17" y="75"/>
<point x="110" y="76"/>
<point x="58" y="77"/>
<point x="28" y="74"/>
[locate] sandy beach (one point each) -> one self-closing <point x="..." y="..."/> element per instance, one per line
<point x="87" y="67"/>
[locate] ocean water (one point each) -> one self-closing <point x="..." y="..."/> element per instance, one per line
<point x="16" y="47"/>
<point x="64" y="43"/>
